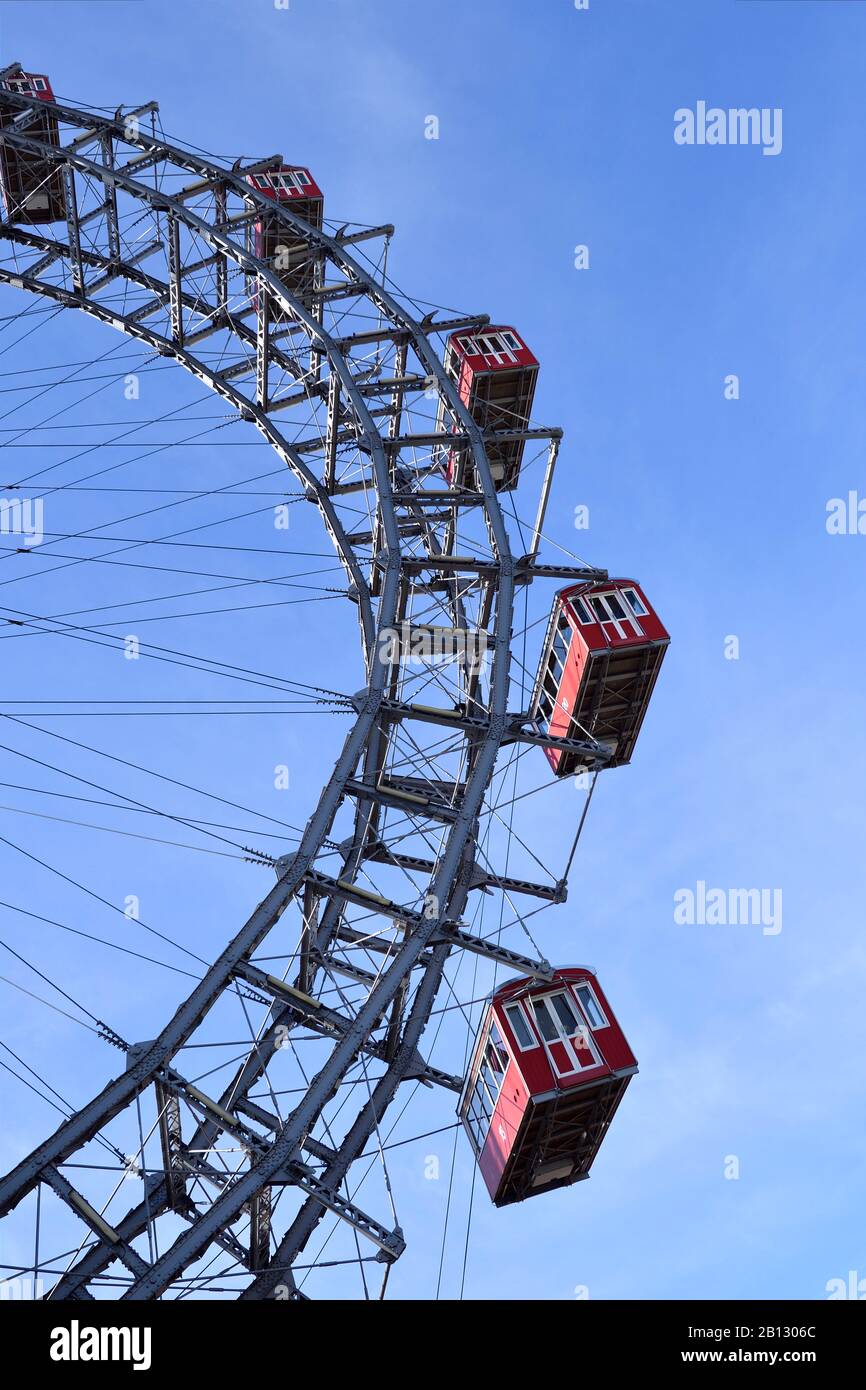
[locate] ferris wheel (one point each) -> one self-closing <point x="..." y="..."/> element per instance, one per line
<point x="410" y="432"/>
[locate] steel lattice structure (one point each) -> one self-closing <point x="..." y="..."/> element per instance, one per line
<point x="366" y="370"/>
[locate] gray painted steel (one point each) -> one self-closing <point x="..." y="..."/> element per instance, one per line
<point x="91" y="158"/>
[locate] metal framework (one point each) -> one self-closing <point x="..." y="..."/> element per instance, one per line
<point x="346" y="388"/>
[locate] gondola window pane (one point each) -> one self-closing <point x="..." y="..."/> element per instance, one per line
<point x="546" y="1025"/>
<point x="566" y="1013"/>
<point x="590" y="1007"/>
<point x="522" y="1031"/>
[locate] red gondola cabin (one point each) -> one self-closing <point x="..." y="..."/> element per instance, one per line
<point x="600" y="661"/>
<point x="549" y="1069"/>
<point x="494" y="372"/>
<point x="32" y="186"/>
<point x="289" y="256"/>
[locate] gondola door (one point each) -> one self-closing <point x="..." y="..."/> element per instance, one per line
<point x="617" y="620"/>
<point x="567" y="1041"/>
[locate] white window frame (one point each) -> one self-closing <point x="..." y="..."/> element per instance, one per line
<point x="482" y="1090"/>
<point x="473" y="1124"/>
<point x="586" y="984"/>
<point x="515" y="345"/>
<point x="519" y="1006"/>
<point x="641" y="611"/>
<point x="569" y="1040"/>
<point x="481" y="1076"/>
<point x="580" y="602"/>
<point x="469" y="1114"/>
<point x="502" y="1044"/>
<point x="557" y="665"/>
<point x="578" y="1018"/>
<point x="479" y="1080"/>
<point x="609" y="615"/>
<point x="619" y="623"/>
<point x="287" y="180"/>
<point x="562" y="632"/>
<point x="496" y="346"/>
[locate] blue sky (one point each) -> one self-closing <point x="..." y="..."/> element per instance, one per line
<point x="556" y="129"/>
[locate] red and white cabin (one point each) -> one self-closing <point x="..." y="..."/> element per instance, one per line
<point x="550" y="1067"/>
<point x="32" y="187"/>
<point x="495" y="373"/>
<point x="604" y="647"/>
<point x="291" y="258"/>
